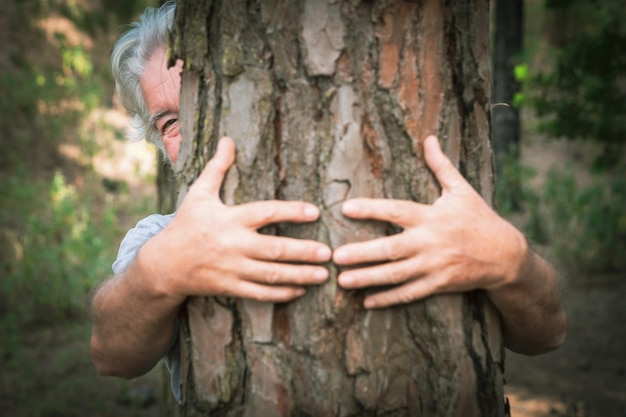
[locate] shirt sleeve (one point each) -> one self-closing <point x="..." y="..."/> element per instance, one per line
<point x="137" y="237"/>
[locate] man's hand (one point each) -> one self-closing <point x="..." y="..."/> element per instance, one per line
<point x="456" y="244"/>
<point x="214" y="249"/>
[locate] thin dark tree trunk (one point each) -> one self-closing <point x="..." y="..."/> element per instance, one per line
<point x="328" y="101"/>
<point x="505" y="118"/>
<point x="167" y="186"/>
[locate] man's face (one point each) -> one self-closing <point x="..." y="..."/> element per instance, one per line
<point x="161" y="87"/>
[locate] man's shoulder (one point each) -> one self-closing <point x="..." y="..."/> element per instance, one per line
<point x="154" y="222"/>
<point x="137" y="236"/>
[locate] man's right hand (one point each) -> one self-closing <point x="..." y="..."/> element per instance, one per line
<point x="210" y="248"/>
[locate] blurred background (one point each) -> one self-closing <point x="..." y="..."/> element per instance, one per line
<point x="72" y="185"/>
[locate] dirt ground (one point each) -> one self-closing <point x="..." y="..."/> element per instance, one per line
<point x="587" y="376"/>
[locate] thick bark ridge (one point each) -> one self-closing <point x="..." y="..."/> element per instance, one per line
<point x="327" y="101"/>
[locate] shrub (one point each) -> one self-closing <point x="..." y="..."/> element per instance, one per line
<point x="588" y="224"/>
<point x="64" y="247"/>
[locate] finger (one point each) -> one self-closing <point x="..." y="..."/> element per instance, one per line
<point x="278" y="248"/>
<point x="392" y="273"/>
<point x="212" y="176"/>
<point x="400" y="212"/>
<point x="261" y="213"/>
<point x="412" y="291"/>
<point x="446" y="173"/>
<point x="283" y="274"/>
<point x="265" y="293"/>
<point x="388" y="248"/>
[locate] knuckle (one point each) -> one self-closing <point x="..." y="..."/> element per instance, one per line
<point x="405" y="297"/>
<point x="263" y="297"/>
<point x="275" y="252"/>
<point x="259" y="213"/>
<point x="391" y="250"/>
<point x="395" y="211"/>
<point x="442" y="283"/>
<point x="270" y="214"/>
<point x="218" y="250"/>
<point x="396" y="275"/>
<point x="272" y="277"/>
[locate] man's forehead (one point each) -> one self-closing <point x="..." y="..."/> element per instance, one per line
<point x="159" y="84"/>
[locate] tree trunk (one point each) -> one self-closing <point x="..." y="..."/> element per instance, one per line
<point x="167" y="186"/>
<point x="506" y="118"/>
<point x="330" y="100"/>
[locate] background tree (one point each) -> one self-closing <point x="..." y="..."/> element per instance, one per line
<point x="329" y="101"/>
<point x="576" y="85"/>
<point x="505" y="115"/>
<point x="582" y="95"/>
<point x="167" y="185"/>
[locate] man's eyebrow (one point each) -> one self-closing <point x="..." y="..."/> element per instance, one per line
<point x="152" y="121"/>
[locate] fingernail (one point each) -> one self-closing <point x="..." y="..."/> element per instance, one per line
<point x="345" y="280"/>
<point x="349" y="207"/>
<point x="369" y="303"/>
<point x="323" y="254"/>
<point x="311" y="212"/>
<point x="340" y="256"/>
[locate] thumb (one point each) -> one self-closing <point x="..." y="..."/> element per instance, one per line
<point x="212" y="176"/>
<point x="446" y="173"/>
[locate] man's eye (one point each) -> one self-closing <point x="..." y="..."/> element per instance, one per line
<point x="169" y="126"/>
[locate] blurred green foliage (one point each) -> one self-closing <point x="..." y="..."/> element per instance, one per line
<point x="61" y="248"/>
<point x="514" y="172"/>
<point x="521" y="74"/>
<point x="59" y="227"/>
<point x="586" y="226"/>
<point x="574" y="78"/>
<point x="60" y="221"/>
<point x="582" y="93"/>
<point x="590" y="222"/>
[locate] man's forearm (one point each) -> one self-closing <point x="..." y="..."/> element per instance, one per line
<point x="133" y="325"/>
<point x="534" y="321"/>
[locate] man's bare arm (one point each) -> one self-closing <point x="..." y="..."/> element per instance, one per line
<point x="530" y="305"/>
<point x="456" y="244"/>
<point x="133" y="324"/>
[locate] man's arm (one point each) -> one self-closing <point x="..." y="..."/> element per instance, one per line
<point x="456" y="244"/>
<point x="534" y="321"/>
<point x="207" y="249"/>
<point x="133" y="324"/>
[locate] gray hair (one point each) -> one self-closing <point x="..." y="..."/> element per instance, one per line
<point x="128" y="61"/>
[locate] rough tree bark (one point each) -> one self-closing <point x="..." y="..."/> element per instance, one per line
<point x="330" y="100"/>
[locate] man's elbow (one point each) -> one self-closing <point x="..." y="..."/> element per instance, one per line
<point x="553" y="340"/>
<point x="105" y="366"/>
<point x="559" y="332"/>
<point x="559" y="335"/>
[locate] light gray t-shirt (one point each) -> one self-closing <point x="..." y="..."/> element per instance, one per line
<point x="132" y="242"/>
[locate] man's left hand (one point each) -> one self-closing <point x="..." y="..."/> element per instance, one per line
<point x="456" y="244"/>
